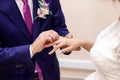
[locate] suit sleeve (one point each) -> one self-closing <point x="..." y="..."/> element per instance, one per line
<point x="58" y="19"/>
<point x="15" y="57"/>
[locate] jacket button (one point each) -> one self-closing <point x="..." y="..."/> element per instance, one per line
<point x="19" y="65"/>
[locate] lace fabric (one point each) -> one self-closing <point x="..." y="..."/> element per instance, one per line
<point x="105" y="54"/>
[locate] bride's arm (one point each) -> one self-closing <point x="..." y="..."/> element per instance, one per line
<point x="87" y="45"/>
<point x="72" y="44"/>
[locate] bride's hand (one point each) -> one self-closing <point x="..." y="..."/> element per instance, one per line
<point x="66" y="44"/>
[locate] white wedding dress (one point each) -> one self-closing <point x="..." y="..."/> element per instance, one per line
<point x="105" y="54"/>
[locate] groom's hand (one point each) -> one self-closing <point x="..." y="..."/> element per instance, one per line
<point x="45" y="38"/>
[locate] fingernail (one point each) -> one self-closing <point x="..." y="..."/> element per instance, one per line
<point x="49" y="53"/>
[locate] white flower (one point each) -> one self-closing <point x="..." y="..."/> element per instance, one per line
<point x="42" y="12"/>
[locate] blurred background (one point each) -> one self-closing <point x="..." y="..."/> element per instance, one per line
<point x="85" y="19"/>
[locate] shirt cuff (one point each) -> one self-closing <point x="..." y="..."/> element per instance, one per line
<point x="30" y="51"/>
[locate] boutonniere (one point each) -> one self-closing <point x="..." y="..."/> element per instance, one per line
<point x="43" y="9"/>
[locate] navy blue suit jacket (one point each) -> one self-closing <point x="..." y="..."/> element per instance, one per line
<point x="15" y="60"/>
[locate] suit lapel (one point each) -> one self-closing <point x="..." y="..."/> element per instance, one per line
<point x="35" y="7"/>
<point x="36" y="24"/>
<point x="12" y="11"/>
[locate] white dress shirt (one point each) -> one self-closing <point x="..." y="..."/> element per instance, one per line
<point x="20" y="6"/>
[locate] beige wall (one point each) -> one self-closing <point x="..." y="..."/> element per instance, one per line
<point x="86" y="18"/>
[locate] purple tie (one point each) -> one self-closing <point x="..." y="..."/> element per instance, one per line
<point x="28" y="21"/>
<point x="27" y="15"/>
<point x="39" y="71"/>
